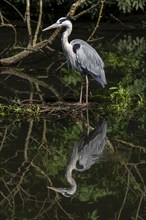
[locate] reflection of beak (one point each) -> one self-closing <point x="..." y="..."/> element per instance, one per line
<point x="51" y="27"/>
<point x="59" y="190"/>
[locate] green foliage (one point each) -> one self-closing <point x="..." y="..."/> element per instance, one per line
<point x="133" y="49"/>
<point x="93" y="216"/>
<point x="56" y="162"/>
<point x="71" y="77"/>
<point x="128" y="54"/>
<point x="121" y="99"/>
<point x="15" y="109"/>
<point x="127" y="100"/>
<point x="129" y="5"/>
<point x="127" y="57"/>
<point x="92" y="193"/>
<point x="66" y="138"/>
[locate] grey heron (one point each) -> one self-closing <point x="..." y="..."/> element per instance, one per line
<point x="88" y="150"/>
<point x="81" y="56"/>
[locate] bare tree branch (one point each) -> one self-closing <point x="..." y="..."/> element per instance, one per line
<point x="27" y="14"/>
<point x="74" y="8"/>
<point x="31" y="79"/>
<point x="38" y="23"/>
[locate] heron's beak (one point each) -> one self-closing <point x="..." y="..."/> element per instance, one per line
<point x="59" y="190"/>
<point x="51" y="27"/>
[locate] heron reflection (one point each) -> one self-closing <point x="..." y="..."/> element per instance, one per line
<point x="88" y="150"/>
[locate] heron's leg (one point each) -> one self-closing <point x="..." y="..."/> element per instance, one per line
<point x="87" y="84"/>
<point x="81" y="91"/>
<point x="88" y="125"/>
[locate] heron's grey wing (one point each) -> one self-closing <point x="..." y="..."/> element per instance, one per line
<point x="92" y="147"/>
<point x="89" y="61"/>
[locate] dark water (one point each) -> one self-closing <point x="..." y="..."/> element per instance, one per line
<point x="95" y="157"/>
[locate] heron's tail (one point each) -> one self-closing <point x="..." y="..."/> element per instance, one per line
<point x="100" y="79"/>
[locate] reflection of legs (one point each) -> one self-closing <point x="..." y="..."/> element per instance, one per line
<point x="88" y="125"/>
<point x="87" y="84"/>
<point x="81" y="92"/>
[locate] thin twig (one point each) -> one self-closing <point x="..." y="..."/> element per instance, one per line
<point x="98" y="20"/>
<point x="27" y="140"/>
<point x="4" y="138"/>
<point x="84" y="12"/>
<point x="138" y="208"/>
<point x="3" y="24"/>
<point x="15" y="9"/>
<point x="125" y="197"/>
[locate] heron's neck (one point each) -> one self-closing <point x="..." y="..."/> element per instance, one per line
<point x="65" y="35"/>
<point x="72" y="181"/>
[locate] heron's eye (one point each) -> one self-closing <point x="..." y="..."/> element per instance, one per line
<point x="62" y="20"/>
<point x="66" y="194"/>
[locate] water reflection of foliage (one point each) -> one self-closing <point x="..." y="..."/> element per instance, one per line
<point x="30" y="161"/>
<point x="40" y="155"/>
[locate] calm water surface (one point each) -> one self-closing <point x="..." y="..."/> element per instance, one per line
<point x="93" y="161"/>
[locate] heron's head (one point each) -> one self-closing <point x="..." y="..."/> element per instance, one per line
<point x="61" y="22"/>
<point x="64" y="191"/>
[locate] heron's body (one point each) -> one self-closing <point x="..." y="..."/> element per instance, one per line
<point x="80" y="55"/>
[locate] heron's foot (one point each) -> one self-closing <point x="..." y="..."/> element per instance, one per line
<point x="82" y="104"/>
<point x="87" y="103"/>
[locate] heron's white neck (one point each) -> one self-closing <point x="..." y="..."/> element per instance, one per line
<point x="72" y="182"/>
<point x="65" y="35"/>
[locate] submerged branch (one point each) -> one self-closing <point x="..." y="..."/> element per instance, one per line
<point x="129" y="144"/>
<point x="125" y="197"/>
<point x="4" y="138"/>
<point x="27" y="140"/>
